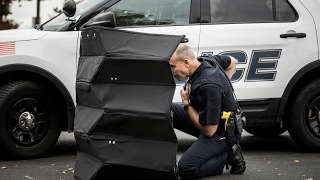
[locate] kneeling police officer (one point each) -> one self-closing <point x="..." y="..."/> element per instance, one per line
<point x="208" y="112"/>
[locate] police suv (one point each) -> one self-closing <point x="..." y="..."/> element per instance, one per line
<point x="277" y="80"/>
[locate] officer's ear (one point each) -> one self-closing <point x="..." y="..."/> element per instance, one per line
<point x="187" y="63"/>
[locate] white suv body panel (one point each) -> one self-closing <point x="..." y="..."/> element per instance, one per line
<point x="313" y="8"/>
<point x="42" y="53"/>
<point x="264" y="37"/>
<point x="21" y="35"/>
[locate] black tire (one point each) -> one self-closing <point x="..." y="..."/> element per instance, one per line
<point x="29" y="125"/>
<point x="265" y="131"/>
<point x="304" y="117"/>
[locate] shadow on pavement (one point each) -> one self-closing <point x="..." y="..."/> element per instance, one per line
<point x="282" y="143"/>
<point x="250" y="143"/>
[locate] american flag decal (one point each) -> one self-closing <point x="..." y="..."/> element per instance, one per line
<point x="7" y="48"/>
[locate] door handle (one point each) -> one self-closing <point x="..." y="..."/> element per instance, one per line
<point x="297" y="35"/>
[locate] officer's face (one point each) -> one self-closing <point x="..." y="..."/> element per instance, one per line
<point x="178" y="68"/>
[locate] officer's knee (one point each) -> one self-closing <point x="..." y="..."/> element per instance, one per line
<point x="186" y="171"/>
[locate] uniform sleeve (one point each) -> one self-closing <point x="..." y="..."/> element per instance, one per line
<point x="223" y="60"/>
<point x="210" y="100"/>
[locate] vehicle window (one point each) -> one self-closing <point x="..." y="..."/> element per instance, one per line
<point x="243" y="11"/>
<point x="151" y="12"/>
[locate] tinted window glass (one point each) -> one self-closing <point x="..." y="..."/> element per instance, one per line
<point x="151" y="12"/>
<point x="233" y="11"/>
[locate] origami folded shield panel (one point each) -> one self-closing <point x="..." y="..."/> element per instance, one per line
<point x="123" y="123"/>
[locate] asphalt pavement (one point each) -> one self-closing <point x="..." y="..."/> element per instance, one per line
<point x="277" y="158"/>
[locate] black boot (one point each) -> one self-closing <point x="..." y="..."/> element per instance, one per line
<point x="236" y="160"/>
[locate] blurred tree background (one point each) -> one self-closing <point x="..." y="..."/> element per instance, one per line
<point x="5" y="11"/>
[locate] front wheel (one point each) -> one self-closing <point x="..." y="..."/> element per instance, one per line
<point x="304" y="117"/>
<point x="29" y="125"/>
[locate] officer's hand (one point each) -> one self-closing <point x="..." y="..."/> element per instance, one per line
<point x="184" y="92"/>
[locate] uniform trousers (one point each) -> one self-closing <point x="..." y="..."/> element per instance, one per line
<point x="207" y="156"/>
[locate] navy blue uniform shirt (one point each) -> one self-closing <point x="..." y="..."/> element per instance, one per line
<point x="211" y="92"/>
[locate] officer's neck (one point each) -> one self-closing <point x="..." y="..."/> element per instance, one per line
<point x="193" y="66"/>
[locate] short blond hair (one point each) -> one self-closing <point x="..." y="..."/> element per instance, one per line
<point x="183" y="52"/>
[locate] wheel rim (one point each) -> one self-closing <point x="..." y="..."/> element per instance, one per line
<point x="313" y="117"/>
<point x="27" y="122"/>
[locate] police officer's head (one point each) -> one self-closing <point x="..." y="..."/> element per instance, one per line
<point x="183" y="62"/>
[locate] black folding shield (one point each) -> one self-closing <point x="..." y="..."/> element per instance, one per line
<point x="124" y="88"/>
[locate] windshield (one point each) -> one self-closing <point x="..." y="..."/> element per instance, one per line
<point x="82" y="7"/>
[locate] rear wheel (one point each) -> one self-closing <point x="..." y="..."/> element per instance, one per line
<point x="29" y="125"/>
<point x="304" y="117"/>
<point x="265" y="131"/>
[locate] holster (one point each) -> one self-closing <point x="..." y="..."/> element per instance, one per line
<point x="227" y="123"/>
<point x="232" y="123"/>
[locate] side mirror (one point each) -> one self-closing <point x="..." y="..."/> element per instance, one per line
<point x="69" y="8"/>
<point x="105" y="19"/>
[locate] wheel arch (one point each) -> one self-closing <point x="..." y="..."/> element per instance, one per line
<point x="303" y="76"/>
<point x="63" y="98"/>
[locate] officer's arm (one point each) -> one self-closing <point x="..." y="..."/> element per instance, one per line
<point x="232" y="67"/>
<point x="207" y="130"/>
